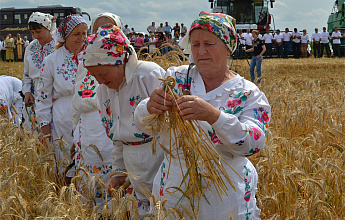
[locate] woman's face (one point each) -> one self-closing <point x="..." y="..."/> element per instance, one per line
<point x="43" y="35"/>
<point x="254" y="35"/>
<point x="76" y="39"/>
<point x="209" y="52"/>
<point x="110" y="75"/>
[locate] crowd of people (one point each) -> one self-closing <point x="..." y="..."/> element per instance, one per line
<point x="13" y="48"/>
<point x="297" y="41"/>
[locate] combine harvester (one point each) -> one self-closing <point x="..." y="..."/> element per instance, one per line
<point x="337" y="19"/>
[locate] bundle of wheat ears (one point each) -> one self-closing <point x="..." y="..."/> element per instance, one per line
<point x="205" y="167"/>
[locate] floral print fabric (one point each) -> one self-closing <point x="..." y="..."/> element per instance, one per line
<point x="222" y="25"/>
<point x="236" y="134"/>
<point x="107" y="47"/>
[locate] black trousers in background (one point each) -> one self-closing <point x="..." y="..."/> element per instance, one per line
<point x="328" y="51"/>
<point x="316" y="48"/>
<point x="268" y="50"/>
<point x="336" y="50"/>
<point x="296" y="47"/>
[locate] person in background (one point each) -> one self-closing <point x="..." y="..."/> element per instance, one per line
<point x="161" y="28"/>
<point x="139" y="42"/>
<point x="88" y="127"/>
<point x="9" y="45"/>
<point x="124" y="82"/>
<point x="55" y="90"/>
<point x="151" y="29"/>
<point x="278" y="39"/>
<point x="152" y="43"/>
<point x="296" y="42"/>
<point x="241" y="44"/>
<point x="268" y="41"/>
<point x="167" y="28"/>
<point x="258" y="50"/>
<point x="183" y="29"/>
<point x="2" y="49"/>
<point x="160" y="41"/>
<point x="126" y="30"/>
<point x="15" y="49"/>
<point x="11" y="94"/>
<point x="316" y="37"/>
<point x="286" y="42"/>
<point x="325" y="43"/>
<point x="41" y="27"/>
<point x="19" y="47"/>
<point x="336" y="35"/>
<point x="304" y="43"/>
<point x="249" y="41"/>
<point x="215" y="94"/>
<point x="177" y="29"/>
<point x="26" y="44"/>
<point x="133" y="31"/>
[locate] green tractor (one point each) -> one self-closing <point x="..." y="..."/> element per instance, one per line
<point x="337" y="19"/>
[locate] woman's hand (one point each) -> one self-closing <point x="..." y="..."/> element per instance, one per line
<point x="45" y="133"/>
<point x="258" y="56"/>
<point x="115" y="183"/>
<point x="159" y="102"/>
<point x="29" y="99"/>
<point x="192" y="107"/>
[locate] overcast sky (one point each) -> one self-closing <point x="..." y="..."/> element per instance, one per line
<point x="140" y="13"/>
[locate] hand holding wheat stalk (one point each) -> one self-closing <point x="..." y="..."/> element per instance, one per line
<point x="204" y="165"/>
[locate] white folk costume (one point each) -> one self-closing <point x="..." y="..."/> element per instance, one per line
<point x="90" y="130"/>
<point x="33" y="59"/>
<point x="56" y="83"/>
<point x="132" y="148"/>
<point x="239" y="132"/>
<point x="10" y="88"/>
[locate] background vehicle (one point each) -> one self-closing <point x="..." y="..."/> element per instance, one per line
<point x="249" y="14"/>
<point x="15" y="20"/>
<point x="337" y="19"/>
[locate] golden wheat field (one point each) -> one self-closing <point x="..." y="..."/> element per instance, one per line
<point x="301" y="171"/>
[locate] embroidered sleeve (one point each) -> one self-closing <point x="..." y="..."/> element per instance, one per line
<point x="245" y="134"/>
<point x="44" y="101"/>
<point x="118" y="162"/>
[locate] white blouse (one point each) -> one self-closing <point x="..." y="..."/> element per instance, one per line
<point x="33" y="59"/>
<point x="56" y="81"/>
<point x="117" y="108"/>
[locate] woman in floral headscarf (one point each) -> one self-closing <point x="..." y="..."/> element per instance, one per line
<point x="231" y="110"/>
<point x="124" y="82"/>
<point x="55" y="87"/>
<point x="41" y="27"/>
<point x="88" y="126"/>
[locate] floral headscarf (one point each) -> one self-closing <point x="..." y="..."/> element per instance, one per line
<point x="110" y="46"/>
<point x="115" y="18"/>
<point x="67" y="26"/>
<point x="46" y="20"/>
<point x="222" y="25"/>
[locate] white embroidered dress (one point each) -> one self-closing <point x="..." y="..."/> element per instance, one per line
<point x="33" y="59"/>
<point x="9" y="94"/>
<point x="132" y="148"/>
<point x="239" y="132"/>
<point x="56" y="82"/>
<point x="90" y="131"/>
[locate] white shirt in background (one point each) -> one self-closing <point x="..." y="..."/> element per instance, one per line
<point x="336" y="34"/>
<point x="278" y="38"/>
<point x="325" y="37"/>
<point x="316" y="36"/>
<point x="287" y="36"/>
<point x="297" y="34"/>
<point x="305" y="39"/>
<point x="268" y="38"/>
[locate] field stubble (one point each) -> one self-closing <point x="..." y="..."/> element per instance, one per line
<point x="301" y="171"/>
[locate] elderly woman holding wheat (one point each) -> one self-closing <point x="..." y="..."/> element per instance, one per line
<point x="215" y="120"/>
<point x="55" y="89"/>
<point x="123" y="83"/>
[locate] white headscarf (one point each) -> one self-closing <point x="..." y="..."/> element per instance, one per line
<point x="117" y="19"/>
<point x="46" y="20"/>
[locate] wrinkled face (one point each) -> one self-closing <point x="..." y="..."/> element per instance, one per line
<point x="209" y="52"/>
<point x="76" y="39"/>
<point x="110" y="75"/>
<point x="102" y="21"/>
<point x="42" y="35"/>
